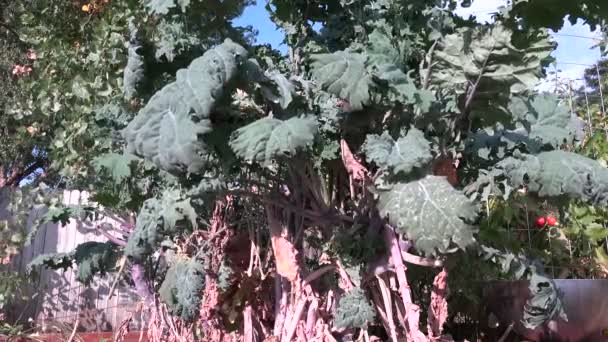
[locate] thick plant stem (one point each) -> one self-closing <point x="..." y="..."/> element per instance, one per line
<point x="388" y="306"/>
<point x="280" y="305"/>
<point x="138" y="274"/>
<point x="412" y="310"/>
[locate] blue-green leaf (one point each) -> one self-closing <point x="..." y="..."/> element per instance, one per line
<point x="117" y="165"/>
<point x="354" y="310"/>
<point x="343" y="74"/>
<point x="556" y="173"/>
<point x="404" y="155"/>
<point x="167" y="130"/>
<point x="269" y="138"/>
<point x="182" y="288"/>
<point x="431" y="213"/>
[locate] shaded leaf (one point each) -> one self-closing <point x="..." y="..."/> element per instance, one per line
<point x="544" y="304"/>
<point x="541" y="121"/>
<point x="157" y="218"/>
<point x="278" y="89"/>
<point x="404" y="155"/>
<point x="91" y="258"/>
<point x="354" y="310"/>
<point x="182" y="288"/>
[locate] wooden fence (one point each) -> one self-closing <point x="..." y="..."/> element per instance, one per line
<point x="58" y="299"/>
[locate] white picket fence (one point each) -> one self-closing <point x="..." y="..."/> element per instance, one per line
<point x="58" y="298"/>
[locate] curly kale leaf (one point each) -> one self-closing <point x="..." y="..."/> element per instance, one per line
<point x="487" y="53"/>
<point x="343" y="74"/>
<point x="404" y="155"/>
<point x="351" y="76"/>
<point x="165" y="131"/>
<point x="279" y="89"/>
<point x="274" y="85"/>
<point x="224" y="275"/>
<point x="117" y="165"/>
<point x="544" y="304"/>
<point x="541" y="122"/>
<point x="486" y="57"/>
<point x="157" y="219"/>
<point x="556" y="173"/>
<point x="401" y="87"/>
<point x="544" y="119"/>
<point x="269" y="138"/>
<point x="430" y="212"/>
<point x="354" y="310"/>
<point x="91" y="258"/>
<point x="386" y="63"/>
<point x="182" y="288"/>
<point x="94" y="258"/>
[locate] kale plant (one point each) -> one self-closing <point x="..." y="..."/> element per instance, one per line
<point x="360" y="159"/>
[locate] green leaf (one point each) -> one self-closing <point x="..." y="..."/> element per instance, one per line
<point x="597" y="232"/>
<point x="487" y="53"/>
<point x="269" y="138"/>
<point x="163" y="6"/>
<point x="157" y="219"/>
<point x="484" y="58"/>
<point x="549" y="14"/>
<point x="544" y="304"/>
<point x="172" y="38"/>
<point x="404" y="155"/>
<point x="431" y="213"/>
<point x="51" y="260"/>
<point x="386" y="62"/>
<point x="278" y="88"/>
<point x="90" y="257"/>
<point x="165" y="131"/>
<point x="343" y="74"/>
<point x="224" y="275"/>
<point x="543" y="119"/>
<point x="182" y="288"/>
<point x="540" y="122"/>
<point x="556" y="173"/>
<point x="354" y="310"/>
<point x="94" y="258"/>
<point x="118" y="165"/>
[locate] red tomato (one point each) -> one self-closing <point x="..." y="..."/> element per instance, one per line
<point x="552" y="221"/>
<point x="540" y="221"/>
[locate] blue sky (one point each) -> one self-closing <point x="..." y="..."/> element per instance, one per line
<point x="571" y="47"/>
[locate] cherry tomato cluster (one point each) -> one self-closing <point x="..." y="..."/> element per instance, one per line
<point x="549" y="221"/>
